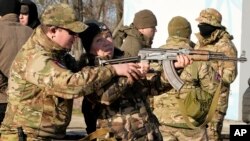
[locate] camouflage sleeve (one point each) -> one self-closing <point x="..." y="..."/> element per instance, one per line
<point x="228" y="68"/>
<point x="208" y="78"/>
<point x="158" y="80"/>
<point x="112" y="91"/>
<point x="56" y="80"/>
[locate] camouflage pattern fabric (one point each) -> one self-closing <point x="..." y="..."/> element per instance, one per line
<point x="14" y="137"/>
<point x="130" y="117"/>
<point x="178" y="134"/>
<point x="220" y="41"/>
<point x="125" y="111"/>
<point x="41" y="89"/>
<point x="210" y="16"/>
<point x="62" y="15"/>
<point x="90" y="108"/>
<point x="166" y="108"/>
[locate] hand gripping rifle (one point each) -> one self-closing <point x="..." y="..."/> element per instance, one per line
<point x="167" y="56"/>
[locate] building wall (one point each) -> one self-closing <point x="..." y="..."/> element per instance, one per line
<point x="234" y="18"/>
<point x="245" y="45"/>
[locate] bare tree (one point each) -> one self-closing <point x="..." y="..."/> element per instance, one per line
<point x="108" y="11"/>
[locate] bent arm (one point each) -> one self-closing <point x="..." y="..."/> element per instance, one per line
<point x="228" y="69"/>
<point x="56" y="80"/>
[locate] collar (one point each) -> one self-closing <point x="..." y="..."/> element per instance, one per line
<point x="41" y="38"/>
<point x="145" y="41"/>
<point x="10" y="17"/>
<point x="178" y="42"/>
<point x="215" y="36"/>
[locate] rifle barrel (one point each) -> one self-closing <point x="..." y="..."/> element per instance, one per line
<point x="120" y="60"/>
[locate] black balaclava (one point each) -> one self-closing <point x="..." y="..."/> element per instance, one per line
<point x="206" y="29"/>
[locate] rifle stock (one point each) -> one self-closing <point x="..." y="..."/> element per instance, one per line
<point x="167" y="56"/>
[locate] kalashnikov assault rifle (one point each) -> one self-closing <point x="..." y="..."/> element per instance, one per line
<point x="166" y="57"/>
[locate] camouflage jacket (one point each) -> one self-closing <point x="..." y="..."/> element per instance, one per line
<point x="178" y="42"/>
<point x="221" y="41"/>
<point x="41" y="89"/>
<point x="125" y="110"/>
<point x="166" y="107"/>
<point x="134" y="40"/>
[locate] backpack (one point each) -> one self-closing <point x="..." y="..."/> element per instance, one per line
<point x="120" y="36"/>
<point x="198" y="104"/>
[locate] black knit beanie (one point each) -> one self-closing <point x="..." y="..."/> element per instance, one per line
<point x="94" y="28"/>
<point x="29" y="7"/>
<point x="9" y="6"/>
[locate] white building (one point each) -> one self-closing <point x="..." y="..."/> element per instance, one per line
<point x="235" y="18"/>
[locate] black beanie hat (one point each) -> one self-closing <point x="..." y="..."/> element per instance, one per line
<point x="29" y="7"/>
<point x="94" y="28"/>
<point x="9" y="6"/>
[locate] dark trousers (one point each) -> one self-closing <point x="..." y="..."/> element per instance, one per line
<point x="2" y="111"/>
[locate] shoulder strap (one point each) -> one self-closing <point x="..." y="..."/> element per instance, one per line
<point x="194" y="71"/>
<point x="120" y="36"/>
<point x="210" y="112"/>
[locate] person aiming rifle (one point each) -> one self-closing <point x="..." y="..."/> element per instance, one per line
<point x="167" y="56"/>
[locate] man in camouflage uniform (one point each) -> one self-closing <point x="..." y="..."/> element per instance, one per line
<point x="12" y="36"/>
<point x="166" y="107"/>
<point x="214" y="37"/>
<point x="41" y="89"/>
<point x="120" y="107"/>
<point x="139" y="34"/>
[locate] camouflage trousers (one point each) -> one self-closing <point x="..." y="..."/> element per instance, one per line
<point x="181" y="134"/>
<point x="215" y="127"/>
<point x="14" y="137"/>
